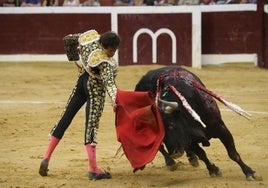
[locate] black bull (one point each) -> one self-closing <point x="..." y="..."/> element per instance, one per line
<point x="183" y="132"/>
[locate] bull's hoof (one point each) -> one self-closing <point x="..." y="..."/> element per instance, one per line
<point x="173" y="167"/>
<point x="194" y="161"/>
<point x="254" y="177"/>
<point x="216" y="174"/>
<point x="214" y="171"/>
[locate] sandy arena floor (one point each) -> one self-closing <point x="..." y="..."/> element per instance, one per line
<point x="33" y="95"/>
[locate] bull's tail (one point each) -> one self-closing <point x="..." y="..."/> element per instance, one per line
<point x="230" y="105"/>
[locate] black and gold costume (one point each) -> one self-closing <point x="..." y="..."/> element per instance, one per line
<point x="97" y="78"/>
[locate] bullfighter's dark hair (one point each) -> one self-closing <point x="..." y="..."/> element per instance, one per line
<point x="110" y="39"/>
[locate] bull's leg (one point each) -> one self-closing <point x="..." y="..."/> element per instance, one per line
<point x="192" y="158"/>
<point x="170" y="162"/>
<point x="212" y="168"/>
<point x="227" y="139"/>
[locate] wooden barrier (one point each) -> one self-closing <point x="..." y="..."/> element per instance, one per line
<point x="182" y="35"/>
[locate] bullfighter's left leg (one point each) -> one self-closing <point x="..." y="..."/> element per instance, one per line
<point x="94" y="109"/>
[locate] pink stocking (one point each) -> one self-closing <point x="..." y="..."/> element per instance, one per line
<point x="52" y="145"/>
<point x="92" y="164"/>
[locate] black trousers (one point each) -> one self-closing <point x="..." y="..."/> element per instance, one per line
<point x="76" y="100"/>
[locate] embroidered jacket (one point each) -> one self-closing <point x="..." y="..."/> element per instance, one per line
<point x="96" y="62"/>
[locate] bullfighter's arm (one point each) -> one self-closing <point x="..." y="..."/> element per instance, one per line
<point x="107" y="74"/>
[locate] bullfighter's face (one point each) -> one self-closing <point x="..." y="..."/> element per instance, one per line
<point x="109" y="51"/>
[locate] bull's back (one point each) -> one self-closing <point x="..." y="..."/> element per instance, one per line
<point x="149" y="81"/>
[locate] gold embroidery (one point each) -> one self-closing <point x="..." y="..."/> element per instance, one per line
<point x="88" y="37"/>
<point x="97" y="57"/>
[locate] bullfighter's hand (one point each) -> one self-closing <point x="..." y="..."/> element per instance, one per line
<point x="114" y="105"/>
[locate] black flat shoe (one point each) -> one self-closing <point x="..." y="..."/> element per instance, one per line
<point x="43" y="167"/>
<point x="95" y="176"/>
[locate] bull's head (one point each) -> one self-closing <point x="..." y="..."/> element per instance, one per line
<point x="174" y="139"/>
<point x="178" y="121"/>
<point x="174" y="133"/>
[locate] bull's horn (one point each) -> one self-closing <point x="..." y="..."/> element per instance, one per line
<point x="168" y="103"/>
